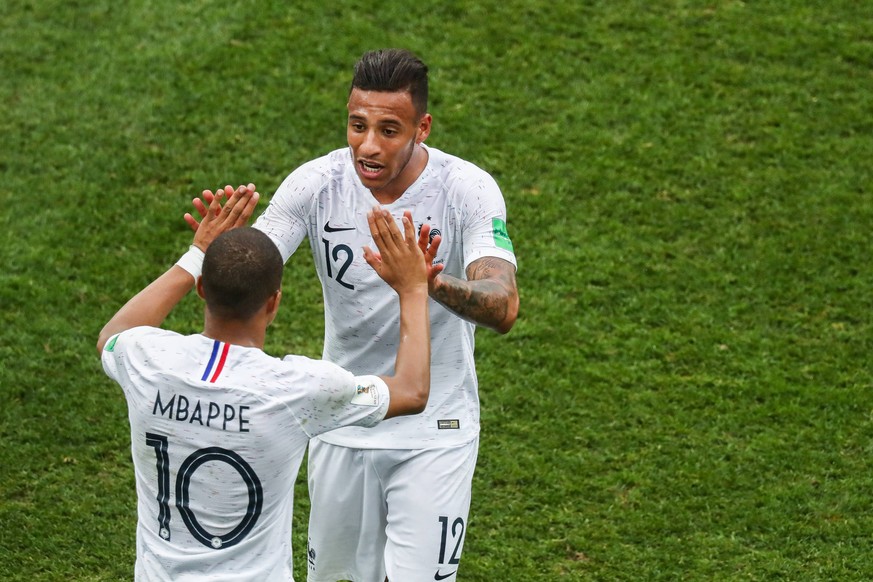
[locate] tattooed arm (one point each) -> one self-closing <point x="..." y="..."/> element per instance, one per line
<point x="489" y="296"/>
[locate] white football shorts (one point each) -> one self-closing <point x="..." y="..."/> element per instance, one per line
<point x="388" y="512"/>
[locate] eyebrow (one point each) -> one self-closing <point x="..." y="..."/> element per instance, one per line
<point x="390" y="121"/>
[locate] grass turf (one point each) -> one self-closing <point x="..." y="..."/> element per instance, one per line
<point x="686" y="394"/>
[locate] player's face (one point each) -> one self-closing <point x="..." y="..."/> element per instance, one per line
<point x="384" y="133"/>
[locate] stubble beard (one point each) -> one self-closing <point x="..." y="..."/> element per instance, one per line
<point x="410" y="153"/>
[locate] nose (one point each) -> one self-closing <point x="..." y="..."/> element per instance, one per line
<point x="370" y="145"/>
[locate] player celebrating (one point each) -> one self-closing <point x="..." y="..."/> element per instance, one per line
<point x="394" y="500"/>
<point x="218" y="427"/>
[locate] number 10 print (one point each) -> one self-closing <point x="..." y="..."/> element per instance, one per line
<point x="183" y="481"/>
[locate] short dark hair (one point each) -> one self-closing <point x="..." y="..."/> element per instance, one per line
<point x="241" y="270"/>
<point x="393" y="70"/>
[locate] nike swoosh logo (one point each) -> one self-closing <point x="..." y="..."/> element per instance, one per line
<point x="329" y="228"/>
<point x="439" y="576"/>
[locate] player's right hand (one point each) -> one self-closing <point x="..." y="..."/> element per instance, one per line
<point x="217" y="218"/>
<point x="208" y="197"/>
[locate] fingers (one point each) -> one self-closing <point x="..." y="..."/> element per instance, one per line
<point x="192" y="222"/>
<point x="214" y="206"/>
<point x="424" y="237"/>
<point x="222" y="193"/>
<point x="207" y="197"/>
<point x="373" y="259"/>
<point x="429" y="246"/>
<point x="387" y="235"/>
<point x="374" y="227"/>
<point x="199" y="204"/>
<point x="249" y="209"/>
<point x="434" y="247"/>
<point x="409" y="230"/>
<point x="390" y="224"/>
<point x="240" y="205"/>
<point x="384" y="230"/>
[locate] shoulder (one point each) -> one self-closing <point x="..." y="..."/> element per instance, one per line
<point x="313" y="178"/>
<point x="320" y="169"/>
<point x="450" y="164"/>
<point x="140" y="336"/>
<point x="137" y="344"/>
<point x="321" y="369"/>
<point x="460" y="175"/>
<point x="471" y="193"/>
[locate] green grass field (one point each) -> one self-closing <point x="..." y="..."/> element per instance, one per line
<point x="687" y="392"/>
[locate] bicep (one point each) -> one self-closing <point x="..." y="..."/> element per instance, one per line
<point x="495" y="269"/>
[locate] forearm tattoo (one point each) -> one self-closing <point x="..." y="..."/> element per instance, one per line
<point x="487" y="295"/>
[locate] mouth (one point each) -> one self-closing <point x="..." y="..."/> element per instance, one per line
<point x="369" y="169"/>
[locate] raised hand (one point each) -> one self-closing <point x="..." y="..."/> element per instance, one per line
<point x="217" y="219"/>
<point x="429" y="248"/>
<point x="207" y="198"/>
<point x="400" y="261"/>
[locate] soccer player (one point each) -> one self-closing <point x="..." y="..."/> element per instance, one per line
<point x="395" y="499"/>
<point x="218" y="427"/>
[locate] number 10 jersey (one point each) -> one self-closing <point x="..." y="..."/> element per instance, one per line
<point x="218" y="432"/>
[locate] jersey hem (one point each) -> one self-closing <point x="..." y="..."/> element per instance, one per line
<point x="437" y="443"/>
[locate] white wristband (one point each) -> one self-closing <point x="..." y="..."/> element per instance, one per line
<point x="192" y="261"/>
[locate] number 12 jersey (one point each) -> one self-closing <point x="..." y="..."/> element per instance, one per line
<point x="325" y="201"/>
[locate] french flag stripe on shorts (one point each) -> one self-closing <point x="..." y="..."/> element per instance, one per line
<point x="216" y="347"/>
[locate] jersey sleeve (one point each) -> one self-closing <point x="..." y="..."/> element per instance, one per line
<point x="109" y="357"/>
<point x="286" y="218"/>
<point x="484" y="221"/>
<point x="117" y="353"/>
<point x="337" y="398"/>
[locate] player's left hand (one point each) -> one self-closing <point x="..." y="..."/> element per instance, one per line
<point x="429" y="248"/>
<point x="217" y="219"/>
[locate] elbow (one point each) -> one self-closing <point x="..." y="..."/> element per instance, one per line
<point x="504" y="326"/>
<point x="419" y="401"/>
<point x="104" y="336"/>
<point x="509" y="318"/>
<point x="101" y="341"/>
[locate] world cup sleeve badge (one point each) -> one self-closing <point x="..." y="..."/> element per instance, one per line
<point x="366" y="395"/>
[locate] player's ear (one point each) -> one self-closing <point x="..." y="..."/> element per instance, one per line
<point x="273" y="306"/>
<point x="199" y="286"/>
<point x="423" y="128"/>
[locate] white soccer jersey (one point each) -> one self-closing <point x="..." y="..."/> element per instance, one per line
<point x="325" y="201"/>
<point x="217" y="435"/>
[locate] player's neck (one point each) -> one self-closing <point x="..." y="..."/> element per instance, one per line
<point x="248" y="334"/>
